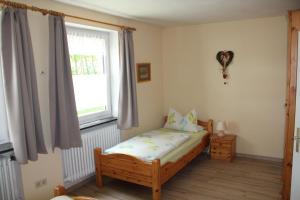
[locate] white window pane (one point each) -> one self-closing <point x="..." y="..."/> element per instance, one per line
<point x="90" y="93"/>
<point x="3" y="121"/>
<point x="89" y="62"/>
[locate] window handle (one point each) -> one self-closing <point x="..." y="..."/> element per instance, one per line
<point x="297" y="139"/>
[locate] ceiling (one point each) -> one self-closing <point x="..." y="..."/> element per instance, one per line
<point x="182" y="12"/>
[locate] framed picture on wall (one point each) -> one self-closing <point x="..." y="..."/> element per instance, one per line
<point x="143" y="72"/>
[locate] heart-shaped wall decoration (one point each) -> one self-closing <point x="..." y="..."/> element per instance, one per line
<point x="225" y="58"/>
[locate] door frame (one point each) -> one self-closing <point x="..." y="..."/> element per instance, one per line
<point x="294" y="28"/>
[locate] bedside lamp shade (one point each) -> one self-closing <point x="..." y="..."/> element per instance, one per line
<point x="221" y="127"/>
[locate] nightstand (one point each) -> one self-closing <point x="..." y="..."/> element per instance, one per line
<point x="223" y="148"/>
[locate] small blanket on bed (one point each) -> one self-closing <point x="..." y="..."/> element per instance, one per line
<point x="150" y="145"/>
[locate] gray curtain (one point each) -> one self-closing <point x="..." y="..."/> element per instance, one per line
<point x="128" y="111"/>
<point x="23" y="110"/>
<point x="64" y="122"/>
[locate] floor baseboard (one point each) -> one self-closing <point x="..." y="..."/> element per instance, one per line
<point x="81" y="183"/>
<point x="204" y="153"/>
<point x="242" y="155"/>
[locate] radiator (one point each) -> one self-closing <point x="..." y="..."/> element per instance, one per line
<point x="78" y="163"/>
<point x="10" y="183"/>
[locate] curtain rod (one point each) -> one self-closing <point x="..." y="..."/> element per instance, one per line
<point x="51" y="12"/>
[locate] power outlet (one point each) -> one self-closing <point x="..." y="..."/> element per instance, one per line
<point x="44" y="182"/>
<point x="41" y="183"/>
<point x="38" y="184"/>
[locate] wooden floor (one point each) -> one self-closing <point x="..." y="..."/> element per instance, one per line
<point x="203" y="179"/>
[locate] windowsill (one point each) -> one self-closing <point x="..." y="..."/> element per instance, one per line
<point x="5" y="147"/>
<point x="97" y="123"/>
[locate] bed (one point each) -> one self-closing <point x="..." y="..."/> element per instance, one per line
<point x="60" y="194"/>
<point x="152" y="173"/>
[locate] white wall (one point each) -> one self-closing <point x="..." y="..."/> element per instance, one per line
<point x="147" y="41"/>
<point x="253" y="101"/>
<point x="48" y="166"/>
<point x="187" y="77"/>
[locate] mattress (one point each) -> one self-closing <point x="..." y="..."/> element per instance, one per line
<point x="177" y="153"/>
<point x="155" y="144"/>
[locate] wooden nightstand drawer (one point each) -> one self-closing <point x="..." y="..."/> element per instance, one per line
<point x="222" y="145"/>
<point x="223" y="148"/>
<point x="221" y="157"/>
<point x="227" y="139"/>
<point x="221" y="151"/>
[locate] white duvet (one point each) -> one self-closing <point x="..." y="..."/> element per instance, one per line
<point x="150" y="145"/>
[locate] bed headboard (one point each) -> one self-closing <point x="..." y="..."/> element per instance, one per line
<point x="208" y="125"/>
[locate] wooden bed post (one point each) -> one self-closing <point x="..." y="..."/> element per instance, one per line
<point x="210" y="128"/>
<point x="59" y="191"/>
<point x="97" y="157"/>
<point x="156" y="180"/>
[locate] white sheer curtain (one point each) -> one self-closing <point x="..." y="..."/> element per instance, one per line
<point x="89" y="52"/>
<point x="86" y="41"/>
<point x="3" y="121"/>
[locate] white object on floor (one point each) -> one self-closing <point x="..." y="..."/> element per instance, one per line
<point x="62" y="198"/>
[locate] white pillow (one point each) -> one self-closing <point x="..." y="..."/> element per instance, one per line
<point x="173" y="119"/>
<point x="187" y="123"/>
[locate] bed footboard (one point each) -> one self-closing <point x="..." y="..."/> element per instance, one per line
<point x="61" y="190"/>
<point x="128" y="168"/>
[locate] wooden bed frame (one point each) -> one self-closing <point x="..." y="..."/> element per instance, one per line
<point x="150" y="174"/>
<point x="60" y="191"/>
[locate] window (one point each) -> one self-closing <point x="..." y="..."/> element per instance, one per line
<point x="3" y="120"/>
<point x="90" y="58"/>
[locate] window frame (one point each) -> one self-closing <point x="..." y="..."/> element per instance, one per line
<point x="4" y="138"/>
<point x="90" y="118"/>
